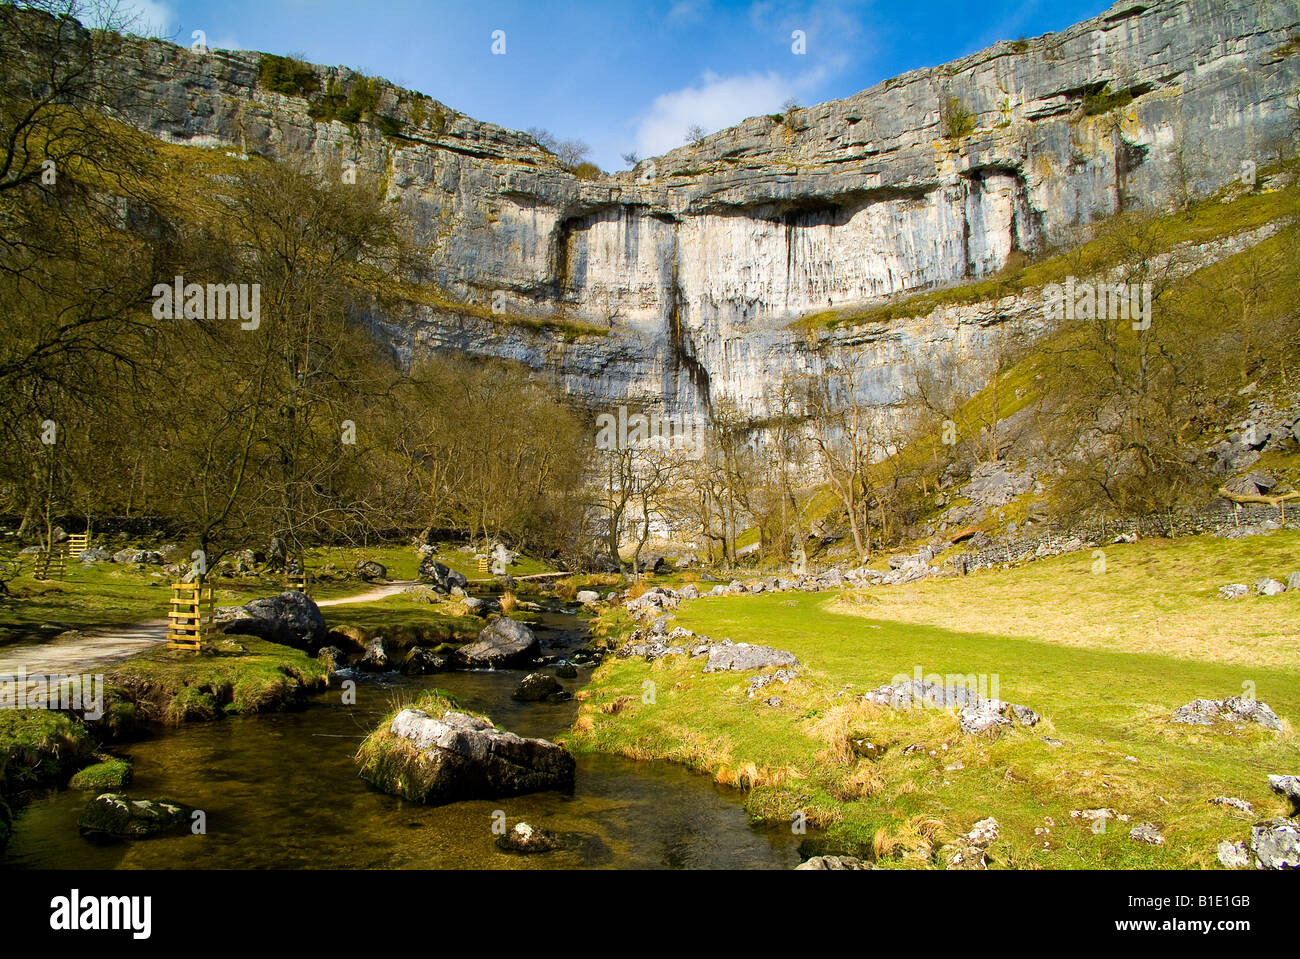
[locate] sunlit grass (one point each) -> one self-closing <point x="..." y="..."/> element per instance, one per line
<point x="1104" y="660"/>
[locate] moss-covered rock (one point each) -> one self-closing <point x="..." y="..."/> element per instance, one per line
<point x="120" y="817"/>
<point x="434" y="754"/>
<point x="107" y="776"/>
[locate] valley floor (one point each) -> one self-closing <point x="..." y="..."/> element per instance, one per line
<point x="1104" y="654"/>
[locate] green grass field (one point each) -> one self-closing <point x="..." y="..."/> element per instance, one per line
<point x="1097" y="655"/>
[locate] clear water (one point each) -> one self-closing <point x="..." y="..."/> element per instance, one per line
<point x="282" y="791"/>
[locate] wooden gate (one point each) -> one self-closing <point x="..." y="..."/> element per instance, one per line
<point x="50" y="562"/>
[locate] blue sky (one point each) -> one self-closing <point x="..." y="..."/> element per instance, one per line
<point x="618" y="75"/>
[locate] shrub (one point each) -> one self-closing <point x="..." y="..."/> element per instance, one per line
<point x="287" y="75"/>
<point x="955" y="120"/>
<point x="1105" y="100"/>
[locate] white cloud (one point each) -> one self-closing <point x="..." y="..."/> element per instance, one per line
<point x="151" y="18"/>
<point x="716" y="102"/>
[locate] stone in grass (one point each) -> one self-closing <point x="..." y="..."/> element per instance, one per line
<point x="1276" y="843"/>
<point x="1235" y="709"/>
<point x="1288" y="787"/>
<point x="1233" y="803"/>
<point x="1269" y="587"/>
<point x="1234" y="855"/>
<point x="1234" y="591"/>
<point x="834" y="862"/>
<point x="739" y="656"/>
<point x="1148" y="833"/>
<point x="120" y="817"/>
<point x="527" y="839"/>
<point x="103" y="777"/>
<point x="1293" y="581"/>
<point x="968" y="852"/>
<point x="291" y="619"/>
<point x="369" y="570"/>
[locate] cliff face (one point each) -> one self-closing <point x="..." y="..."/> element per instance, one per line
<point x="698" y="259"/>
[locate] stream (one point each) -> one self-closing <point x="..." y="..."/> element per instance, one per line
<point x="280" y="790"/>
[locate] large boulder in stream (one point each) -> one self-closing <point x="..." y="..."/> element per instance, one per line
<point x="502" y="643"/>
<point x="540" y="687"/>
<point x="290" y="619"/>
<point x="117" y="816"/>
<point x="456" y="756"/>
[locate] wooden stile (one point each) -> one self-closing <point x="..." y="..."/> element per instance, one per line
<point x="78" y="543"/>
<point x="185" y="616"/>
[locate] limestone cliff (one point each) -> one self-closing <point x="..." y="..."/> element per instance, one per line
<point x="698" y="260"/>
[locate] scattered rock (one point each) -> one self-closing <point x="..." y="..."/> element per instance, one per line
<point x="440" y="576"/>
<point x="566" y="670"/>
<point x="782" y="676"/>
<point x="1276" y="844"/>
<point x="113" y="814"/>
<point x="834" y="862"/>
<point x="1233" y="803"/>
<point x="421" y="661"/>
<point x="1234" y="591"/>
<point x="740" y="656"/>
<point x="502" y="643"/>
<point x="369" y="570"/>
<point x="976" y="715"/>
<point x="968" y="852"/>
<point x="375" y="658"/>
<point x="1235" y="709"/>
<point x="1269" y="587"/>
<point x="143" y="556"/>
<point x="1293" y="580"/>
<point x="333" y="658"/>
<point x="1288" y="787"/>
<point x="526" y="839"/>
<point x="1234" y="855"/>
<point x="1148" y="833"/>
<point x="588" y="597"/>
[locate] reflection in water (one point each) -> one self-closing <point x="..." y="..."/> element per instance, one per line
<point x="281" y="791"/>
